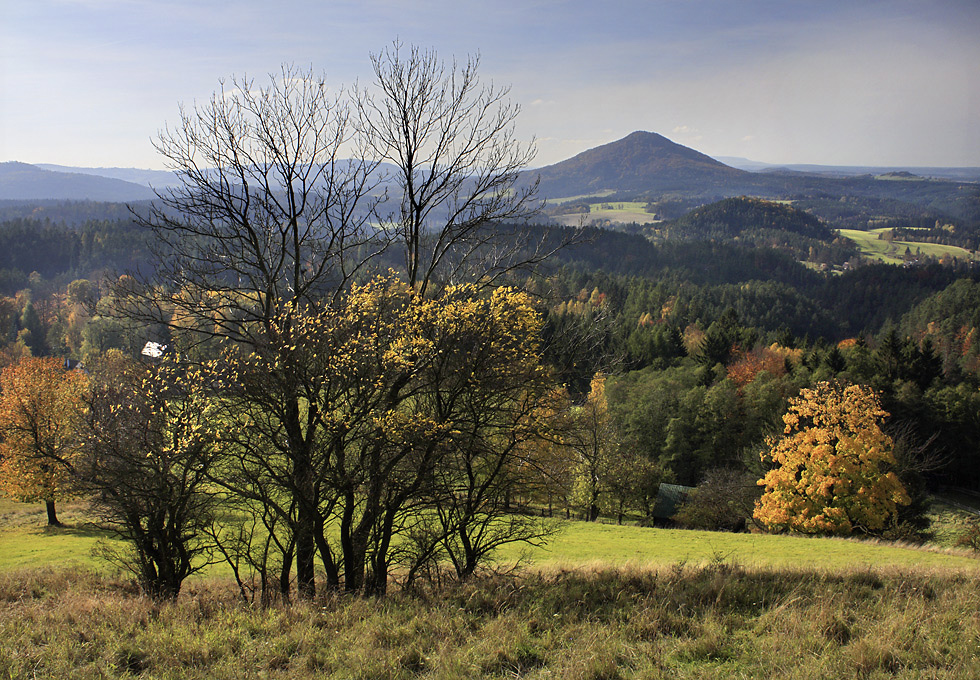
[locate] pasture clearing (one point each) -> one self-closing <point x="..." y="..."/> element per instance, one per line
<point x="892" y="252"/>
<point x="26" y="542"/>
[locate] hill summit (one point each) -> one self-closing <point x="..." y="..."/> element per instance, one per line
<point x="641" y="161"/>
<point x="732" y="217"/>
<point x="22" y="181"/>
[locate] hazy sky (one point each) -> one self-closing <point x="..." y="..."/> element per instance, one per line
<point x="850" y="82"/>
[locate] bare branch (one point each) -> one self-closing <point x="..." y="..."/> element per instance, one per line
<point x="457" y="162"/>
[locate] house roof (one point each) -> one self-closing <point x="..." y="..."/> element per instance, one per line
<point x="669" y="499"/>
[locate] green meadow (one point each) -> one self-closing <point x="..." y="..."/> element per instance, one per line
<point x="892" y="252"/>
<point x="620" y="212"/>
<point x="581" y="544"/>
<point x="569" y="199"/>
<point x="27" y="543"/>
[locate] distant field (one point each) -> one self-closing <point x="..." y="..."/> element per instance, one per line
<point x="891" y="252"/>
<point x="569" y="199"/>
<point x="620" y="212"/>
<point x="27" y="543"/>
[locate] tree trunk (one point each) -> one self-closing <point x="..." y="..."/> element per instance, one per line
<point x="353" y="546"/>
<point x="284" y="578"/>
<point x="471" y="558"/>
<point x="305" y="556"/>
<point x="378" y="584"/>
<point x="593" y="512"/>
<point x="354" y="565"/>
<point x="52" y="515"/>
<point x="326" y="556"/>
<point x="305" y="530"/>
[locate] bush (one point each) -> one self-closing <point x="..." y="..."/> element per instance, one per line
<point x="971" y="537"/>
<point x="723" y="501"/>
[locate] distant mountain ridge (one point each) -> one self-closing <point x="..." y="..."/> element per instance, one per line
<point x="643" y="166"/>
<point x="22" y="181"/>
<point x="149" y="178"/>
<point x="962" y="174"/>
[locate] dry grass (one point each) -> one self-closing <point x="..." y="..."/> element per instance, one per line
<point x="713" y="621"/>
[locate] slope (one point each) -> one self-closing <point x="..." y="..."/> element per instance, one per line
<point x="21" y="181"/>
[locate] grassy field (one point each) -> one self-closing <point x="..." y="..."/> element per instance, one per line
<point x="619" y="212"/>
<point x="601" y="602"/>
<point x="892" y="252"/>
<point x="569" y="199"/>
<point x="582" y="544"/>
<point x="26" y="542"/>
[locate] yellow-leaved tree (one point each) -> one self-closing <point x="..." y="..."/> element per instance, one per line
<point x="832" y="468"/>
<point x="594" y="441"/>
<point x="40" y="410"/>
<point x="420" y="416"/>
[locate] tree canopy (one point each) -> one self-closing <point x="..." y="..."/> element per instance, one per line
<point x="832" y="470"/>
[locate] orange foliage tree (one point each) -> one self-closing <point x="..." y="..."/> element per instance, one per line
<point x="831" y="471"/>
<point x="39" y="415"/>
<point x="773" y="359"/>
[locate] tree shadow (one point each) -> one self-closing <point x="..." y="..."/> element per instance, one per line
<point x="80" y="530"/>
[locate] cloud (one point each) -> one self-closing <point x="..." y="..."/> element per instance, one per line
<point x="688" y="134"/>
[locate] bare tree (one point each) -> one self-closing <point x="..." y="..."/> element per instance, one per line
<point x="269" y="213"/>
<point x="457" y="166"/>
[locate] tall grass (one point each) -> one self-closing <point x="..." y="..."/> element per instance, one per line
<point x="717" y="620"/>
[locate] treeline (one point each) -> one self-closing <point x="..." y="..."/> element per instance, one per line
<point x="68" y="213"/>
<point x="696" y="405"/>
<point x="946" y="234"/>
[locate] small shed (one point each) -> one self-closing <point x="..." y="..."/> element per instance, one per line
<point x="669" y="500"/>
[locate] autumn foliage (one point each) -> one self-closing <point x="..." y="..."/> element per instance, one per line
<point x="39" y="415"/>
<point x="831" y="473"/>
<point x="774" y="359"/>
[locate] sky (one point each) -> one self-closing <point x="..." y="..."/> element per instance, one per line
<point x="834" y="82"/>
